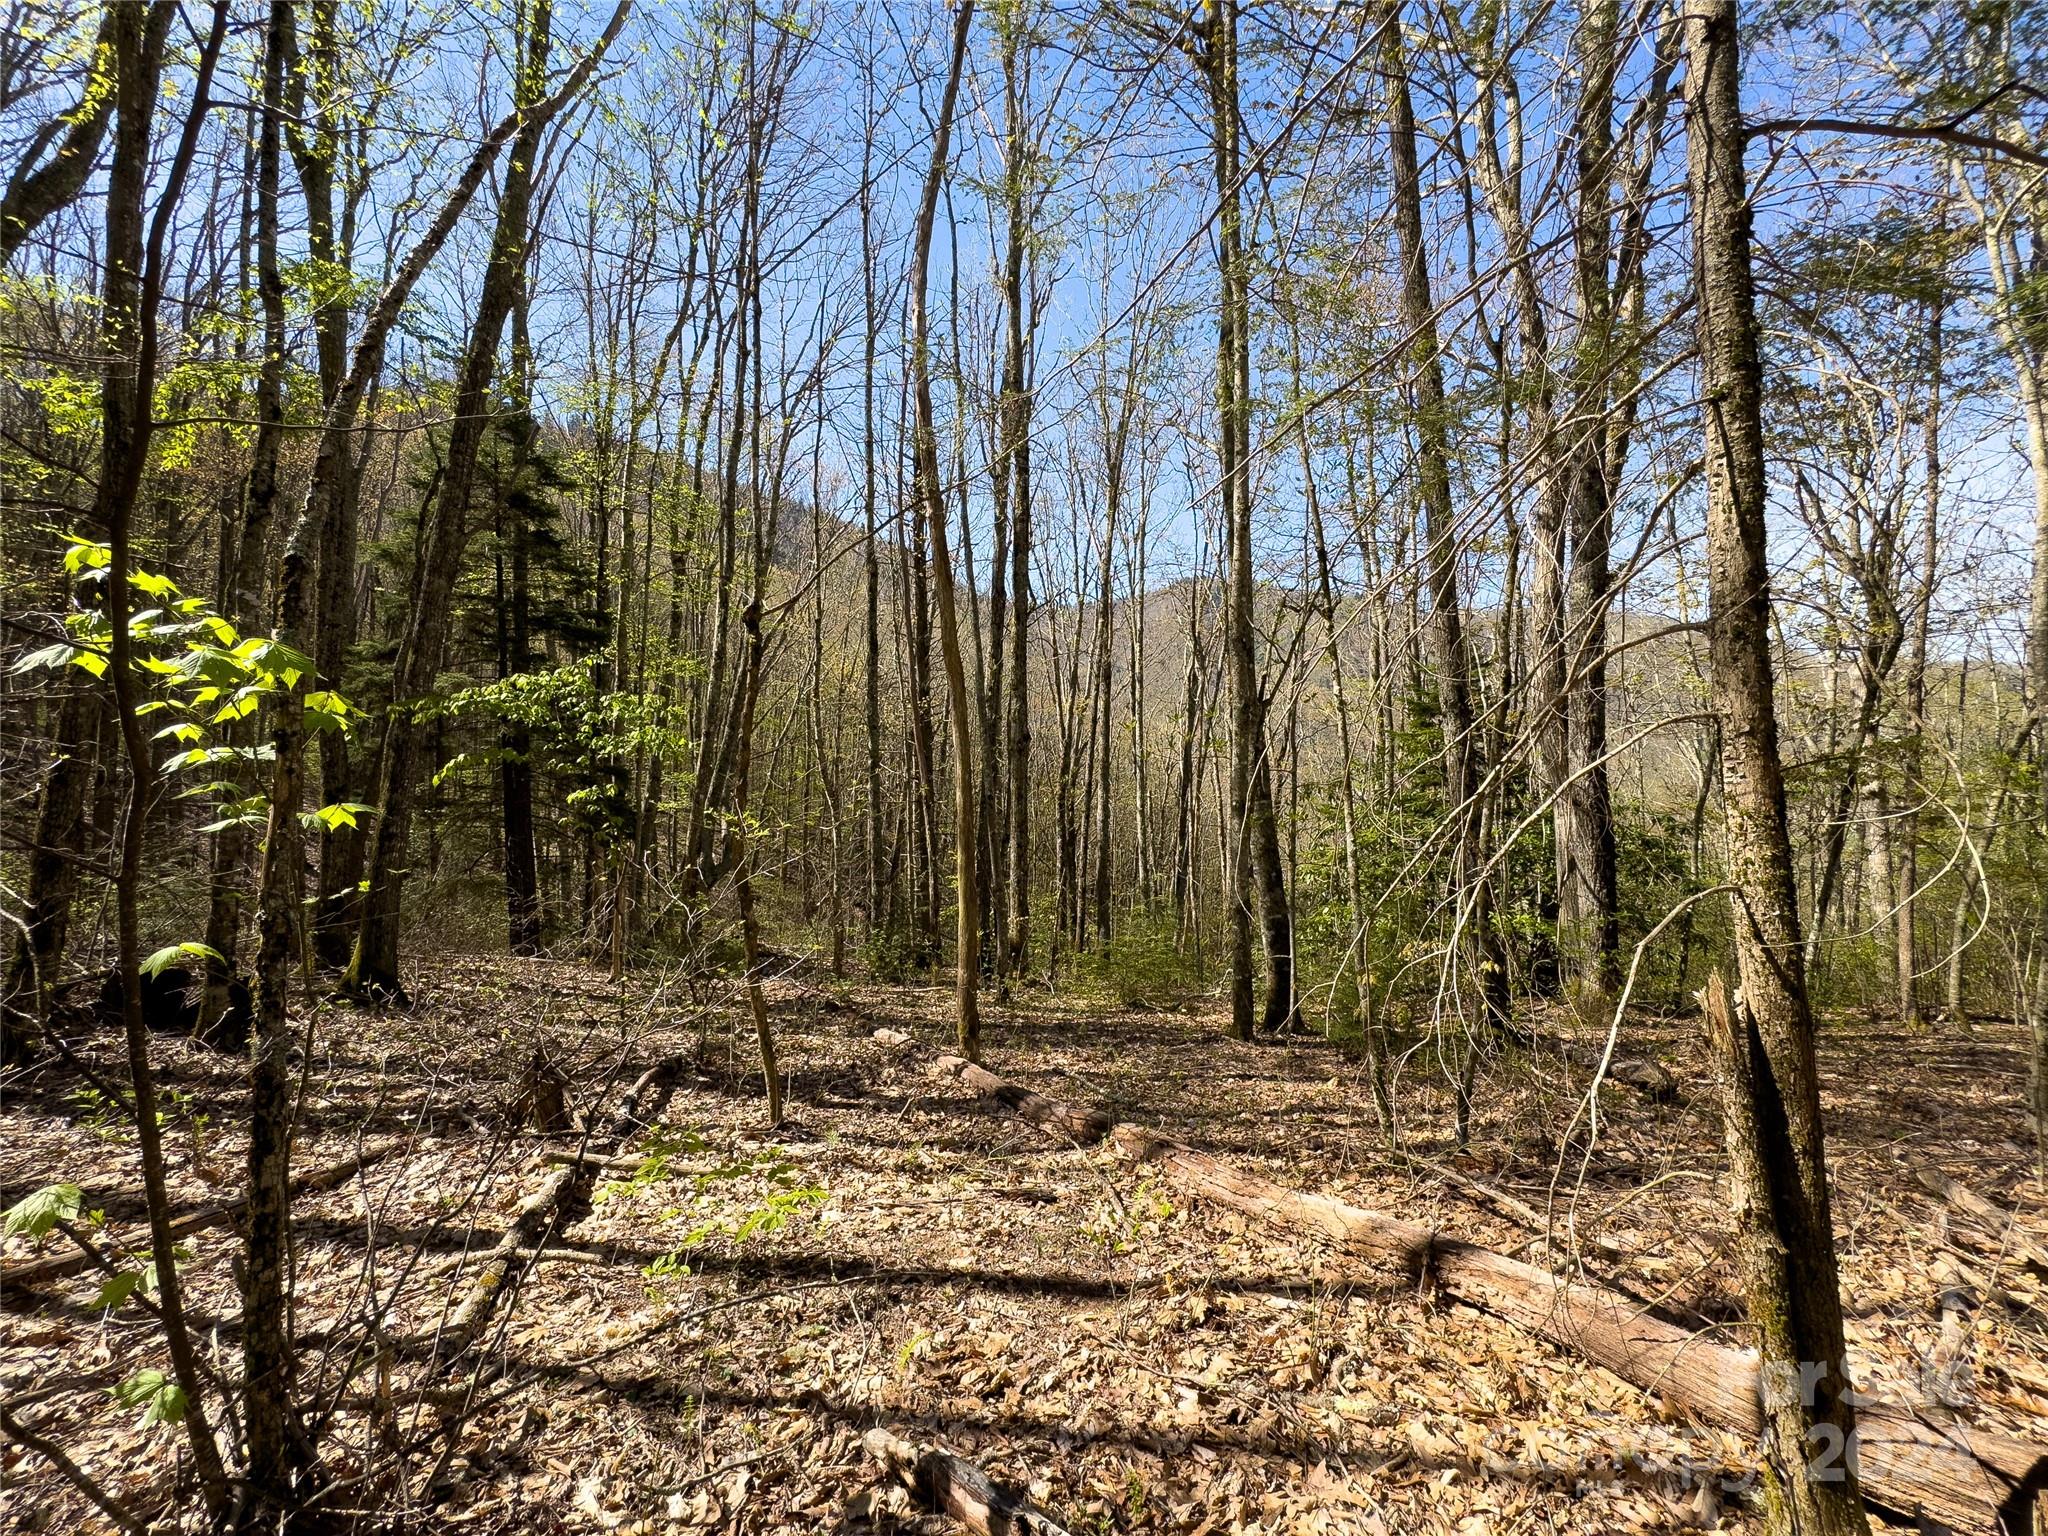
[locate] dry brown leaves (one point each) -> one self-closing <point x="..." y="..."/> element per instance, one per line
<point x="1133" y="1363"/>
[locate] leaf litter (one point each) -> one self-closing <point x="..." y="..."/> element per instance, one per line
<point x="702" y="1344"/>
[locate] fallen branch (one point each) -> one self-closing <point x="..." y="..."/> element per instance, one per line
<point x="1515" y="1208"/>
<point x="2001" y="1223"/>
<point x="1079" y="1123"/>
<point x="1965" y="1479"/>
<point x="537" y="1215"/>
<point x="955" y="1486"/>
<point x="61" y="1266"/>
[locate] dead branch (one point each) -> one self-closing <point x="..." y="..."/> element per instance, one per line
<point x="42" y="1271"/>
<point x="955" y="1486"/>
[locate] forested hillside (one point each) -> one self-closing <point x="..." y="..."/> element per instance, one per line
<point x="1025" y="766"/>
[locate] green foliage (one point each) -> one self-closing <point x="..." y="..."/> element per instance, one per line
<point x="1653" y="873"/>
<point x="171" y="954"/>
<point x="1116" y="1225"/>
<point x="782" y="1194"/>
<point x="579" y="731"/>
<point x="894" y="954"/>
<point x="36" y="1215"/>
<point x="1141" y="966"/>
<point x="200" y="674"/>
<point x="161" y="1399"/>
<point x="128" y="1283"/>
<point x="110" y="1118"/>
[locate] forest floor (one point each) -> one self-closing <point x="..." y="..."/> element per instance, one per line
<point x="711" y="1334"/>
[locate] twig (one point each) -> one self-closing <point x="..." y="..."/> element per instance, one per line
<point x="718" y="1471"/>
<point x="74" y="1474"/>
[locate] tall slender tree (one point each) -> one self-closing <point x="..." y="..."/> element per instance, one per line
<point x="1762" y="1037"/>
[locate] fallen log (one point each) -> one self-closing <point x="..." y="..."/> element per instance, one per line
<point x="1078" y="1123"/>
<point x="954" y="1486"/>
<point x="1967" y="1480"/>
<point x="62" y="1266"/>
<point x="1964" y="1479"/>
<point x="524" y="1238"/>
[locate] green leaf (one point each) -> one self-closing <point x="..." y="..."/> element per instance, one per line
<point x="242" y="704"/>
<point x="86" y="554"/>
<point x="49" y="656"/>
<point x="161" y="1400"/>
<point x="118" y="1289"/>
<point x="275" y="656"/>
<point x="37" y="1213"/>
<point x="165" y="957"/>
<point x="341" y="814"/>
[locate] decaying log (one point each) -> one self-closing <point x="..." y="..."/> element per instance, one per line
<point x="1078" y="1123"/>
<point x="1950" y="1474"/>
<point x="1650" y="1078"/>
<point x="538" y="1213"/>
<point x="1960" y="1477"/>
<point x="61" y="1266"/>
<point x="955" y="1486"/>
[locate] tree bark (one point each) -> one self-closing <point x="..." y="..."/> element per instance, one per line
<point x="966" y="815"/>
<point x="523" y="910"/>
<point x="1914" y="690"/>
<point x="40" y="188"/>
<point x="259" y="504"/>
<point x="129" y="294"/>
<point x="1762" y="1040"/>
<point x="1463" y="769"/>
<point x="1256" y="861"/>
<point x="37" y="951"/>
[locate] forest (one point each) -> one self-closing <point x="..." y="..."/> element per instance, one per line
<point x="1024" y="766"/>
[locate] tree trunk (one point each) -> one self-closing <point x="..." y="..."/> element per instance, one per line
<point x="374" y="968"/>
<point x="522" y="869"/>
<point x="2034" y="403"/>
<point x="1017" y="730"/>
<point x="1462" y="767"/>
<point x="1914" y="693"/>
<point x="38" y="948"/>
<point x="1256" y="859"/>
<point x="1763" y="1040"/>
<point x="35" y="192"/>
<point x="966" y="815"/>
<point x="1105" y="656"/>
<point x="878" y="895"/>
<point x="129" y="294"/>
<point x="1586" y="851"/>
<point x="259" y="503"/>
<point x="314" y="93"/>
